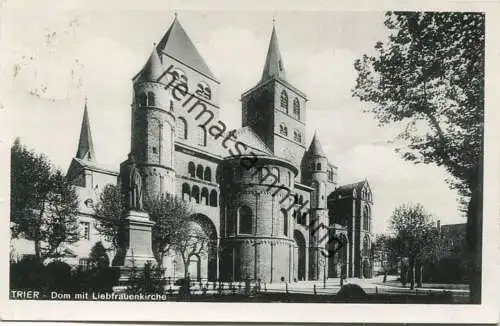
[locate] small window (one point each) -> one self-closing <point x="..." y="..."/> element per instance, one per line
<point x="213" y="198"/>
<point x="276" y="173"/>
<point x="297" y="136"/>
<point x="204" y="90"/>
<point x="199" y="172"/>
<point x="318" y="166"/>
<point x="245" y="220"/>
<point x="195" y="194"/>
<point x="151" y="99"/>
<point x="202" y="136"/>
<point x="204" y="196"/>
<point x="185" y="192"/>
<point x="296" y="108"/>
<point x="283" y="129"/>
<point x="285" y="222"/>
<point x="284" y="101"/>
<point x="85" y="230"/>
<point x="155" y="150"/>
<point x="191" y="169"/>
<point x="208" y="174"/>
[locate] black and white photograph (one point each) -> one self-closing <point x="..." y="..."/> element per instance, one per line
<point x="172" y="155"/>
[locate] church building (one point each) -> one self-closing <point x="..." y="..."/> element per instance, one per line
<point x="269" y="202"/>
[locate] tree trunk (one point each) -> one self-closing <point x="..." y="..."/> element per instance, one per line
<point x="474" y="237"/>
<point x="412" y="276"/>
<point x="420" y="275"/>
<point x="385" y="276"/>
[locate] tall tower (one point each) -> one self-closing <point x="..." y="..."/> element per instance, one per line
<point x="315" y="166"/>
<point x="153" y="129"/>
<point x="275" y="109"/>
<point x="85" y="149"/>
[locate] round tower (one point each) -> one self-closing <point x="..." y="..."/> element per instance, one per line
<point x="257" y="225"/>
<point x="153" y="129"/>
<point x="315" y="175"/>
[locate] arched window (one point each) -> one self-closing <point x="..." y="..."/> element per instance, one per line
<point x="245" y="220"/>
<point x="284" y="216"/>
<point x="199" y="172"/>
<point x="151" y="99"/>
<point x="276" y="172"/>
<point x="213" y="198"/>
<point x="181" y="128"/>
<point x="195" y="194"/>
<point x="208" y="174"/>
<point x="143" y="100"/>
<point x="202" y="136"/>
<point x="204" y="90"/>
<point x="191" y="169"/>
<point x="366" y="219"/>
<point x="284" y="101"/>
<point x="283" y="129"/>
<point x="185" y="192"/>
<point x="297" y="136"/>
<point x="318" y="166"/>
<point x="296" y="108"/>
<point x="301" y="199"/>
<point x="204" y="196"/>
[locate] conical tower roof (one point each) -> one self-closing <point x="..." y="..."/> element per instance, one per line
<point x="315" y="149"/>
<point x="274" y="66"/>
<point x="85" y="145"/>
<point x="177" y="44"/>
<point x="152" y="70"/>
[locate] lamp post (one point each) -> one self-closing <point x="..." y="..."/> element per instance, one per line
<point x="173" y="271"/>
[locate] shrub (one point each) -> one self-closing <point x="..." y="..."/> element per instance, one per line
<point x="351" y="291"/>
<point x="27" y="273"/>
<point x="58" y="276"/>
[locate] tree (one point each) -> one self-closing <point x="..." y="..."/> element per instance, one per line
<point x="429" y="77"/>
<point x="175" y="230"/>
<point x="109" y="210"/>
<point x="416" y="237"/>
<point x="384" y="252"/>
<point x="44" y="204"/>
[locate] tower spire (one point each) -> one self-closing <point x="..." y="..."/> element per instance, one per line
<point x="85" y="145"/>
<point x="274" y="64"/>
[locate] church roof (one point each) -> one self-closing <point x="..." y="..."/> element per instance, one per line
<point x="315" y="149"/>
<point x="177" y="44"/>
<point x="274" y="66"/>
<point x="247" y="136"/>
<point x="85" y="149"/>
<point x="152" y="70"/>
<point x="348" y="188"/>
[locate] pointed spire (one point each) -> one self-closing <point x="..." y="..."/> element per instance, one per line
<point x="85" y="146"/>
<point x="177" y="44"/>
<point x="315" y="149"/>
<point x="274" y="64"/>
<point x="152" y="70"/>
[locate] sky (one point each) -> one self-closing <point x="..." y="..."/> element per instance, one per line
<point x="60" y="56"/>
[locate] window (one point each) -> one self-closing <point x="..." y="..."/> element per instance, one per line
<point x="296" y="108"/>
<point x="297" y="136"/>
<point x="245" y="220"/>
<point x="179" y="75"/>
<point x="195" y="194"/>
<point x="202" y="136"/>
<point x="283" y="129"/>
<point x="181" y="128"/>
<point x="276" y="172"/>
<point x="208" y="174"/>
<point x="285" y="222"/>
<point x="318" y="166"/>
<point x="191" y="169"/>
<point x="366" y="246"/>
<point x="284" y="101"/>
<point x="204" y="196"/>
<point x="185" y="192"/>
<point x="289" y="179"/>
<point x="85" y="230"/>
<point x="366" y="219"/>
<point x="204" y="90"/>
<point x="199" y="172"/>
<point x="143" y="100"/>
<point x="213" y="198"/>
<point x="151" y="99"/>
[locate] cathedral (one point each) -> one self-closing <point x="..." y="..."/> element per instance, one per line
<point x="269" y="202"/>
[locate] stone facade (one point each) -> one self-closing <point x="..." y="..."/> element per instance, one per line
<point x="272" y="207"/>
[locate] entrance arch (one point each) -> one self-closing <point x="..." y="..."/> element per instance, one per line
<point x="299" y="264"/>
